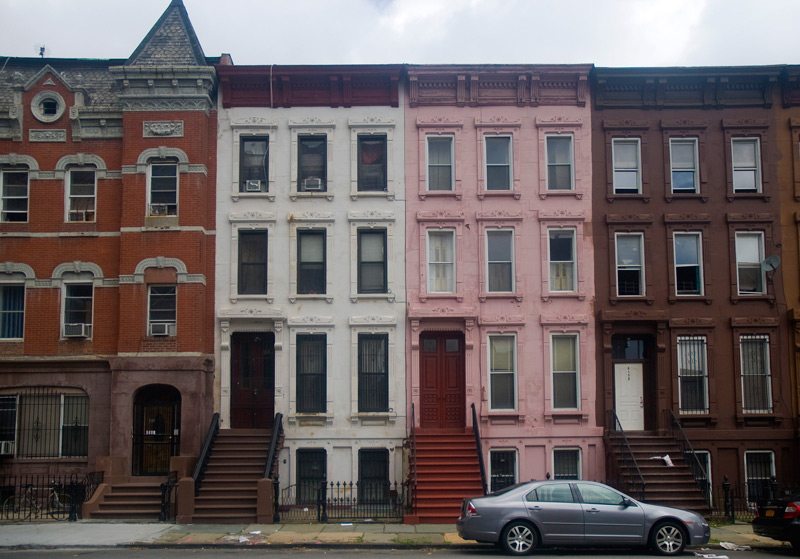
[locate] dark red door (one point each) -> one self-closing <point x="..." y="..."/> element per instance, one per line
<point x="252" y="380"/>
<point x="441" y="379"/>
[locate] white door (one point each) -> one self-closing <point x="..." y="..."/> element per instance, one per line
<point x="629" y="399"/>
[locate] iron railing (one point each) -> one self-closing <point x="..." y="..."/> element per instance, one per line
<point x="623" y="465"/>
<point x="202" y="460"/>
<point x="477" y="430"/>
<point x="277" y="431"/>
<point x="413" y="449"/>
<point x="699" y="473"/>
<point x="36" y="496"/>
<point x="343" y="501"/>
<point x="167" y="489"/>
<point x="742" y="501"/>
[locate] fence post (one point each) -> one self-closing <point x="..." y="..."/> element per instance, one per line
<point x="276" y="487"/>
<point x="73" y="507"/>
<point x="773" y="488"/>
<point x="321" y="502"/>
<point x="727" y="499"/>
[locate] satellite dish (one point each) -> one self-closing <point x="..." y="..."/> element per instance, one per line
<point x="770" y="263"/>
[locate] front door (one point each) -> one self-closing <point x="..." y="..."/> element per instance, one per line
<point x="156" y="429"/>
<point x="629" y="395"/>
<point x="441" y="379"/>
<point x="252" y="380"/>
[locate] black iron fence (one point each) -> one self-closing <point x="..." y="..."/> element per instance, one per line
<point x="40" y="497"/>
<point x="343" y="501"/>
<point x="740" y="501"/>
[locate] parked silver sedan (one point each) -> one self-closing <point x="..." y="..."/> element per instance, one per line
<point x="521" y="517"/>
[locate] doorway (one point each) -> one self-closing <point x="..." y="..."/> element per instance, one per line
<point x="632" y="381"/>
<point x="441" y="378"/>
<point x="252" y="380"/>
<point x="156" y="429"/>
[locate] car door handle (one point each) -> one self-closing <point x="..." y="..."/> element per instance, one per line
<point x="537" y="507"/>
<point x="592" y="510"/>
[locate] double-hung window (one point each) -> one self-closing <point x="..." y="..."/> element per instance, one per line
<point x="756" y="377"/>
<point x="566" y="463"/>
<point x="684" y="169"/>
<point x="311" y="370"/>
<point x="749" y="255"/>
<point x="252" y="271"/>
<point x="502" y="372"/>
<point x="163" y="310"/>
<point x="371" y="163"/>
<point x="440" y="163"/>
<point x="498" y="162"/>
<point x="82" y="190"/>
<point x="163" y="187"/>
<point x="373" y="373"/>
<point x="746" y="158"/>
<point x="312" y="163"/>
<point x="78" y="310"/>
<point x="561" y="248"/>
<point x="254" y="164"/>
<point x="15" y="194"/>
<point x="12" y="311"/>
<point x="502" y="468"/>
<point x="311" y="262"/>
<point x="500" y="261"/>
<point x="688" y="264"/>
<point x="630" y="264"/>
<point x="564" y="362"/>
<point x="692" y="375"/>
<point x="441" y="261"/>
<point x="372" y="261"/>
<point x="626" y="156"/>
<point x="560" y="174"/>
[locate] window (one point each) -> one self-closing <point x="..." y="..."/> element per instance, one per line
<point x="502" y="372"/>
<point x="498" y="162"/>
<point x="688" y="264"/>
<point x="312" y="370"/>
<point x="81" y="195"/>
<point x="683" y="165"/>
<point x="373" y="475"/>
<point x="15" y="195"/>
<point x="626" y="156"/>
<point x="500" y="261"/>
<point x="78" y="310"/>
<point x="559" y="163"/>
<point x="254" y="164"/>
<point x="746" y="157"/>
<point x="749" y="255"/>
<point x="312" y="163"/>
<point x="565" y="371"/>
<point x="599" y="495"/>
<point x="371" y="163"/>
<point x="704" y="477"/>
<point x="373" y="373"/>
<point x="440" y="163"/>
<point x="552" y="493"/>
<point x="311" y="474"/>
<point x="372" y="261"/>
<point x="630" y="264"/>
<point x="566" y="463"/>
<point x="12" y="311"/>
<point x="503" y="468"/>
<point x="759" y="467"/>
<point x="692" y="375"/>
<point x="252" y="278"/>
<point x="163" y="188"/>
<point x="441" y="262"/>
<point x="162" y="314"/>
<point x="311" y="262"/>
<point x="756" y="378"/>
<point x="562" y="259"/>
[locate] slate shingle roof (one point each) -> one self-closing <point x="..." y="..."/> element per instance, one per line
<point x="171" y="41"/>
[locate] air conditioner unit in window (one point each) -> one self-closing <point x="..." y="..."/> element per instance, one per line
<point x="7" y="448"/>
<point x="251" y="185"/>
<point x="158" y="209"/>
<point x="77" y="330"/>
<point x="162" y="329"/>
<point x="312" y="183"/>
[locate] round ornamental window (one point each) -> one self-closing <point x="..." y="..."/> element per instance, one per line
<point x="48" y="106"/>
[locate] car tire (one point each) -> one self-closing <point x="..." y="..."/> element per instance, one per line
<point x="519" y="538"/>
<point x="668" y="538"/>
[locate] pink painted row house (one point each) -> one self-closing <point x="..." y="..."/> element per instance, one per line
<point x="499" y="279"/>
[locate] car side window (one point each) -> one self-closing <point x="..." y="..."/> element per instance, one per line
<point x="554" y="493"/>
<point x="596" y="495"/>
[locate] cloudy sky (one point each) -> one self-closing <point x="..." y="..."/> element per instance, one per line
<point x="603" y="32"/>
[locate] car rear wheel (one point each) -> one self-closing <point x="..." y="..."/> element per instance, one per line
<point x="668" y="538"/>
<point x="519" y="538"/>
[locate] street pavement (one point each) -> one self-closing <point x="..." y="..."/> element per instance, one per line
<point x="103" y="534"/>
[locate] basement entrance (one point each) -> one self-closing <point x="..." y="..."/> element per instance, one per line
<point x="156" y="429"/>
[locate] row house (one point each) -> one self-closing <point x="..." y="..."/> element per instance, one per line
<point x="692" y="323"/>
<point x="310" y="299"/>
<point x="107" y="258"/>
<point x="499" y="272"/>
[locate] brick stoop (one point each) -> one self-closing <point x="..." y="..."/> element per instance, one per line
<point x="130" y="501"/>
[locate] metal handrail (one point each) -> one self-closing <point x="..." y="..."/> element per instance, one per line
<point x="413" y="440"/>
<point x="689" y="455"/>
<point x="477" y="431"/>
<point x="202" y="460"/>
<point x="277" y="430"/>
<point x="616" y="427"/>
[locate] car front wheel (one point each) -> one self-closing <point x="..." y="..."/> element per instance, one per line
<point x="518" y="538"/>
<point x="668" y="538"/>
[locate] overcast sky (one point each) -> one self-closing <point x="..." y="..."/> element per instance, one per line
<point x="603" y="32"/>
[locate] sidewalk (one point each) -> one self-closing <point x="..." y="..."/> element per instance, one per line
<point x="93" y="534"/>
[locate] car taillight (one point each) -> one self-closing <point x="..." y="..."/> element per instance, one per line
<point x="792" y="510"/>
<point x="471" y="510"/>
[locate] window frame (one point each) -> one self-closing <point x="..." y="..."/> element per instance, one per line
<point x="318" y="407"/>
<point x="641" y="265"/>
<point x="509" y="165"/>
<point x="248" y="128"/>
<point x="384" y="338"/>
<point x="70" y="196"/>
<point x="374" y="127"/>
<point x="764" y="480"/>
<point x="766" y="372"/>
<point x="171" y="323"/>
<point x="305" y="493"/>
<point x="577" y="372"/>
<point x="750" y="265"/>
<point x="308" y="233"/>
<point x="311" y="221"/>
<point x="440" y="138"/>
<point x="360" y="165"/>
<point x="509" y="233"/>
<point x="619" y="191"/>
<point x="6" y="316"/>
<point x="245" y="139"/>
<point x="312" y="126"/>
<point x="384" y="289"/>
<point x="571" y="163"/>
<point x="698" y="236"/>
<point x="6" y="198"/>
<point x="492" y="372"/>
<point x="694" y="169"/>
<point x="163" y="162"/>
<point x="303" y="176"/>
<point x="749" y="129"/>
<point x="574" y="261"/>
<point x="514" y="467"/>
<point x="756" y="168"/>
<point x="680" y="357"/>
<point x="429" y="263"/>
<point x="576" y="450"/>
<point x="252" y="232"/>
<point x="66" y="286"/>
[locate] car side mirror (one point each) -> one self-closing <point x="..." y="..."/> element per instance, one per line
<point x="626" y="502"/>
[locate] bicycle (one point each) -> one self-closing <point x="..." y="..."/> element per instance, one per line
<point x="57" y="504"/>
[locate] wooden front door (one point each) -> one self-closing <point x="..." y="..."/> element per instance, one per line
<point x="252" y="380"/>
<point x="441" y="379"/>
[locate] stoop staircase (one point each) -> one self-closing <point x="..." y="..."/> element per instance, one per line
<point x="130" y="501"/>
<point x="447" y="471"/>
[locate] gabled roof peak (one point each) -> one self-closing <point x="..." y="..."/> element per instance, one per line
<point x="171" y="42"/>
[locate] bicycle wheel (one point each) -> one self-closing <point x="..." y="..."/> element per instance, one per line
<point x="59" y="506"/>
<point x="9" y="508"/>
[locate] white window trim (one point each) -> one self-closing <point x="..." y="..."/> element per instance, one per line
<point x="373" y="325"/>
<point x="89" y="280"/>
<point x="760" y="235"/>
<point x="767" y="371"/>
<point x="312" y="126"/>
<point x="756" y="140"/>
<point x="314" y="325"/>
<point x="308" y="221"/>
<point x="485" y="164"/>
<point x="3" y="171"/>
<point x="546" y="163"/>
<point x="247" y="128"/>
<point x="252" y="221"/>
<point x="149" y="178"/>
<point x="574" y="261"/>
<point x="638" y="143"/>
<point x="515" y="371"/>
<point x="428" y="264"/>
<point x="642" y="282"/>
<point x="24" y="301"/>
<point x="744" y="459"/>
<point x="576" y="336"/>
<point x="452" y="139"/>
<point x="579" y="465"/>
<point x="512" y="233"/>
<point x="174" y="323"/>
<point x="695" y="143"/>
<point x="372" y="127"/>
<point x="698" y="235"/>
<point x="377" y="220"/>
<point x="68" y="197"/>
<point x="706" y="373"/>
